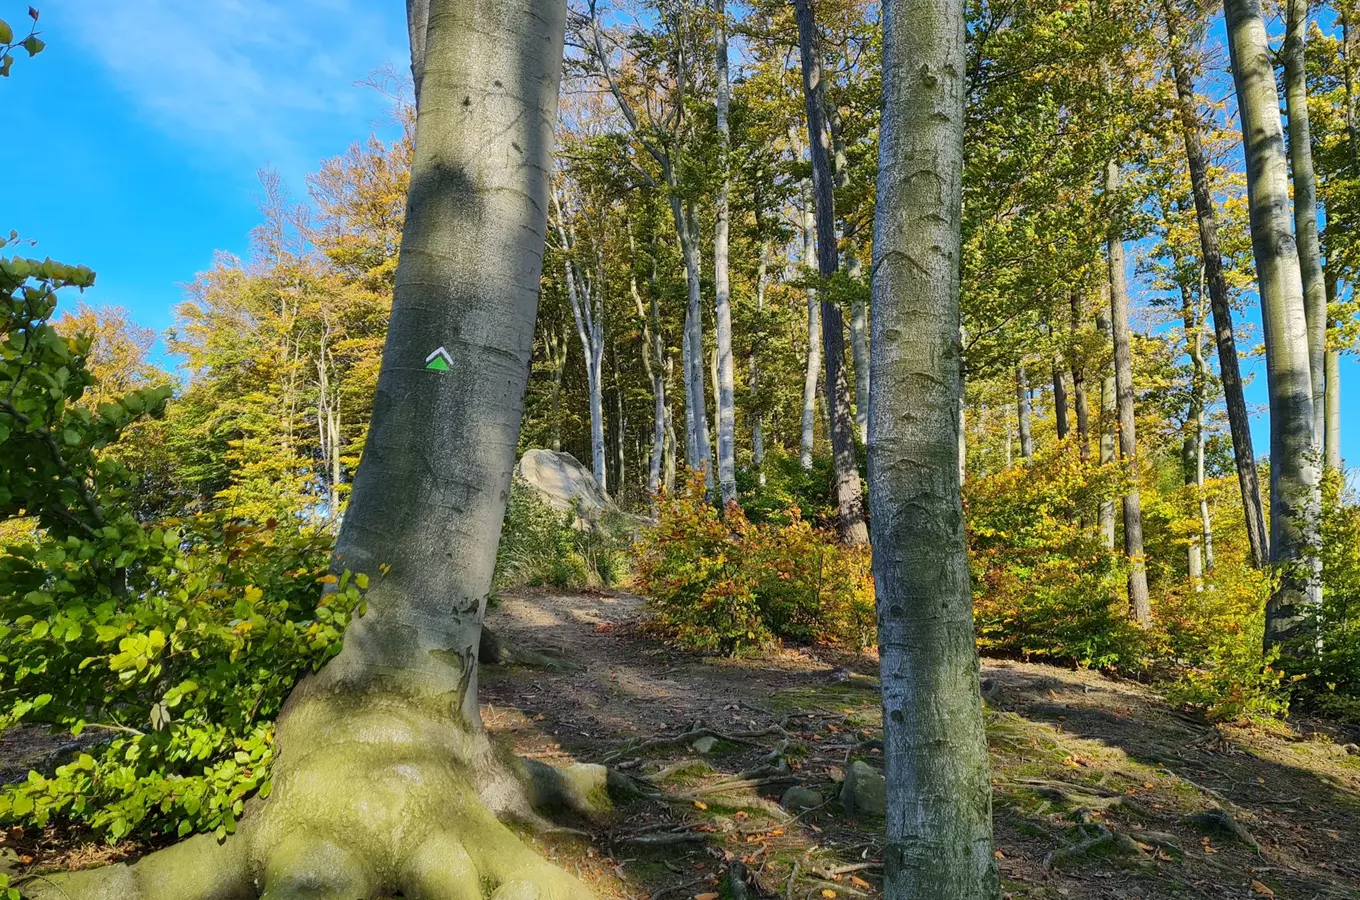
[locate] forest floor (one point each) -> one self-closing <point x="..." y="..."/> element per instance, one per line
<point x="1102" y="789"/>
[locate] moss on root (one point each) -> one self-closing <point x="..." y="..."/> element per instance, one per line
<point x="373" y="796"/>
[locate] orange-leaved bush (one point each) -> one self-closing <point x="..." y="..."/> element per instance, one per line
<point x="722" y="584"/>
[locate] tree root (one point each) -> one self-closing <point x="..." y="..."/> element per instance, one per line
<point x="373" y="795"/>
<point x="498" y="651"/>
<point x="695" y="732"/>
<point x="1104" y="837"/>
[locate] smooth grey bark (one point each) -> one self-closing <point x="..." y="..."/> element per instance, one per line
<point x="385" y="782"/>
<point x="1022" y="412"/>
<point x="1306" y="202"/>
<point x="939" y="813"/>
<point x="1294" y="469"/>
<point x="813" y="374"/>
<point x="696" y="403"/>
<point x="846" y="481"/>
<point x="1239" y="424"/>
<point x="1108" y="419"/>
<point x="1140" y="603"/>
<point x="654" y="365"/>
<point x="1200" y="556"/>
<point x="722" y="330"/>
<point x="417" y="24"/>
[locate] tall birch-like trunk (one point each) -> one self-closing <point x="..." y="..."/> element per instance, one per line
<point x="726" y="378"/>
<point x="1108" y="418"/>
<point x="587" y="309"/>
<point x="1306" y="203"/>
<point x="1140" y="603"/>
<point x="1022" y="411"/>
<point x="813" y="374"/>
<point x="696" y="403"/>
<point x="846" y="481"/>
<point x="939" y="813"/>
<point x="1239" y="424"/>
<point x="1200" y="553"/>
<point x="385" y="782"/>
<point x="1294" y="469"/>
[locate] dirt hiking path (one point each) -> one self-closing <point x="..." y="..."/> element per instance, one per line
<point x="1102" y="789"/>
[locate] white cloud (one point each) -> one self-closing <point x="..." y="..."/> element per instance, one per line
<point x="261" y="79"/>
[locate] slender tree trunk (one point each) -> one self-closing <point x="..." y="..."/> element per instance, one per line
<point x="697" y="439"/>
<point x="1306" y="203"/>
<point x="1022" y="412"/>
<point x="1079" y="400"/>
<point x="757" y="416"/>
<point x="557" y="344"/>
<point x="1239" y="424"/>
<point x="1294" y="475"/>
<point x="672" y="444"/>
<point x="1108" y="418"/>
<point x="848" y="491"/>
<point x="726" y="379"/>
<point x="1192" y="450"/>
<point x="939" y="815"/>
<point x="1140" y="604"/>
<point x="854" y="270"/>
<point x="653" y="364"/>
<point x="1060" y="401"/>
<point x="813" y="374"/>
<point x="588" y="312"/>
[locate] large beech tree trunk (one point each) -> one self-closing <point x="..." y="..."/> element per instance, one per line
<point x="1306" y="203"/>
<point x="846" y="482"/>
<point x="1294" y="469"/>
<point x="385" y="781"/>
<point x="1230" y="372"/>
<point x="939" y="817"/>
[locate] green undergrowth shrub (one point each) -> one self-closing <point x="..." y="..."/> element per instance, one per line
<point x="167" y="647"/>
<point x="728" y="585"/>
<point x="544" y="547"/>
<point x="1045" y="585"/>
<point x="177" y="674"/>
<point x="1332" y="685"/>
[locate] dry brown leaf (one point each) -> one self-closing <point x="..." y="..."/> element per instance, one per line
<point x="1261" y="889"/>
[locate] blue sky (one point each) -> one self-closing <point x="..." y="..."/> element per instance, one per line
<point x="137" y="135"/>
<point x="135" y="138"/>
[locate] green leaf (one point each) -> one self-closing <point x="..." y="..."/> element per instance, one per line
<point x="33" y="45"/>
<point x="6" y="33"/>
